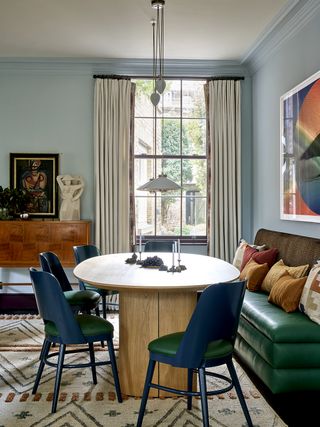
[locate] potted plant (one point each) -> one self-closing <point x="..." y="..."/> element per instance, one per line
<point x="13" y="201"/>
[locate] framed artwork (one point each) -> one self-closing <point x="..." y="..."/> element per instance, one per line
<point x="36" y="174"/>
<point x="300" y="152"/>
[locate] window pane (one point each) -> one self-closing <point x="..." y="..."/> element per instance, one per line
<point x="168" y="216"/>
<point x="168" y="136"/>
<point x="145" y="218"/>
<point x="194" y="215"/>
<point x="143" y="136"/>
<point x="194" y="137"/>
<point x="170" y="103"/>
<point x="143" y="106"/>
<point x="143" y="172"/>
<point x="171" y="168"/>
<point x="194" y="176"/>
<point x="193" y="104"/>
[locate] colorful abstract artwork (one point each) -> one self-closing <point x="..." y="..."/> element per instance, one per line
<point x="36" y="174"/>
<point x="300" y="152"/>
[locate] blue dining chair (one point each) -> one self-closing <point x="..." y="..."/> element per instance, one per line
<point x="80" y="300"/>
<point x="63" y="327"/>
<point x="158" y="245"/>
<point x="81" y="253"/>
<point x="207" y="342"/>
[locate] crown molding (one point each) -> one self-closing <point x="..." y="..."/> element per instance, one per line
<point x="293" y="17"/>
<point x="130" y="67"/>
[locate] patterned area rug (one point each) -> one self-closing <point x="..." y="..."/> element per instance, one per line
<point x="83" y="404"/>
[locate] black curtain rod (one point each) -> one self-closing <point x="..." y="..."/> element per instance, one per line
<point x="208" y="79"/>
<point x="111" y="76"/>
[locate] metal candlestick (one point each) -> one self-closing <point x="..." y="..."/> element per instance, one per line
<point x="139" y="262"/>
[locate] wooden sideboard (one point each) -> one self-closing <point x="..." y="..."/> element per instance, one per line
<point x="22" y="241"/>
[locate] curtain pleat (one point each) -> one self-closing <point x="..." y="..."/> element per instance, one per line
<point x="112" y="112"/>
<point x="224" y="139"/>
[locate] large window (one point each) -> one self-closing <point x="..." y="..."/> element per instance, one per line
<point x="171" y="139"/>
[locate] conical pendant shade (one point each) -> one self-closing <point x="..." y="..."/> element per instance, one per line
<point x="162" y="183"/>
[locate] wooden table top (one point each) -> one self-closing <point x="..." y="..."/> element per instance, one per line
<point x="111" y="272"/>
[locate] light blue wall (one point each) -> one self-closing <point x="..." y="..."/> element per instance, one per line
<point x="296" y="60"/>
<point x="47" y="112"/>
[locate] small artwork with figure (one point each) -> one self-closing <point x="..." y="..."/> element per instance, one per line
<point x="300" y="152"/>
<point x="36" y="174"/>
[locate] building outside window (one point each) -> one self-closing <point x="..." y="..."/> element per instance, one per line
<point x="171" y="139"/>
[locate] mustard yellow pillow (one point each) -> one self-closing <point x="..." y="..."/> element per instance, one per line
<point x="286" y="292"/>
<point x="254" y="273"/>
<point x="278" y="270"/>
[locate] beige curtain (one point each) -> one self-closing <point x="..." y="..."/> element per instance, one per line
<point x="224" y="146"/>
<point x="112" y="110"/>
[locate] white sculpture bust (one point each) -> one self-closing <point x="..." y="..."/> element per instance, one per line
<point x="71" y="189"/>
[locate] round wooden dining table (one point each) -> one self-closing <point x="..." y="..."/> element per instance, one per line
<point x="152" y="303"/>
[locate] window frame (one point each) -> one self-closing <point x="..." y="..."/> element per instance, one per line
<point x="185" y="239"/>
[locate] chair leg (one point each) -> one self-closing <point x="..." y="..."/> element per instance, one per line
<point x="203" y="393"/>
<point x="104" y="307"/>
<point x="190" y="378"/>
<point x="43" y="348"/>
<point x="93" y="363"/>
<point x="241" y="398"/>
<point x="146" y="389"/>
<point x="58" y="377"/>
<point x="114" y="370"/>
<point x="43" y="354"/>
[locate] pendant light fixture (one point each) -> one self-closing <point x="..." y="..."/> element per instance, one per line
<point x="159" y="83"/>
<point x="162" y="184"/>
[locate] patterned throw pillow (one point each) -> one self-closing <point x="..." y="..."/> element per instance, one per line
<point x="278" y="270"/>
<point x="254" y="273"/>
<point x="238" y="257"/>
<point x="286" y="292"/>
<point x="310" y="298"/>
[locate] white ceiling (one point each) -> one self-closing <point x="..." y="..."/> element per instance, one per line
<point x="194" y="29"/>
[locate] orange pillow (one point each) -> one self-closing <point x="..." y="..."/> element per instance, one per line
<point x="254" y="273"/>
<point x="286" y="292"/>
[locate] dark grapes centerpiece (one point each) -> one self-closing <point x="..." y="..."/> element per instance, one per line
<point x="152" y="262"/>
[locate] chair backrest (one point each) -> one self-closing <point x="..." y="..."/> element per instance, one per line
<point x="50" y="263"/>
<point x="215" y="317"/>
<point x="158" y="246"/>
<point x="53" y="306"/>
<point x="83" y="252"/>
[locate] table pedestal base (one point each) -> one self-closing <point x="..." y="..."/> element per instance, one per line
<point x="144" y="316"/>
